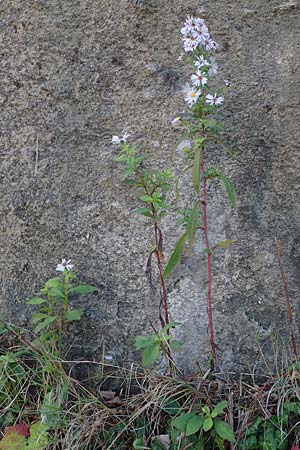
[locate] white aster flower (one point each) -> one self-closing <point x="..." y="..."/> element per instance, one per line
<point x="213" y="70"/>
<point x="125" y="136"/>
<point x="186" y="29"/>
<point x="201" y="62"/>
<point x="214" y="99"/>
<point x="175" y="120"/>
<point x="190" y="21"/>
<point x="184" y="147"/>
<point x="191" y="94"/>
<point x="199" y="23"/>
<point x="208" y="43"/>
<point x="190" y="44"/>
<point x="64" y="265"/>
<point x="199" y="79"/>
<point x="201" y="33"/>
<point x="213" y="44"/>
<point x="118" y="140"/>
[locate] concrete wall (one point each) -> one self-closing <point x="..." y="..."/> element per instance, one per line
<point x="75" y="72"/>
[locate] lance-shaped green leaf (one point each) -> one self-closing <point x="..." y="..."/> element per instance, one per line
<point x="223" y="244"/>
<point x="83" y="289"/>
<point x="230" y="190"/>
<point x="73" y="314"/>
<point x="44" y="324"/>
<point x="144" y="212"/>
<point x="36" y="317"/>
<point x="147" y="198"/>
<point x="36" y="301"/>
<point x="171" y="325"/>
<point x="176" y="255"/>
<point x="197" y="169"/>
<point x="192" y="226"/>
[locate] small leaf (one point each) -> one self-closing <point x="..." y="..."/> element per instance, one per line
<point x="143" y="342"/>
<point x="56" y="292"/>
<point x="150" y="354"/>
<point x="20" y="428"/>
<point x="181" y="421"/>
<point x="170" y="406"/>
<point x="224" y="244"/>
<point x="144" y="212"/>
<point x="39" y="316"/>
<point x="229" y="186"/>
<point x="208" y="424"/>
<point x="138" y="444"/>
<point x="14" y="441"/>
<point x="170" y="325"/>
<point x="36" y="301"/>
<point x="206" y="409"/>
<point x="191" y="227"/>
<point x="45" y="323"/>
<point x="127" y="173"/>
<point x="219" y="408"/>
<point x="146" y="198"/>
<point x="224" y="430"/>
<point x="197" y="169"/>
<point x="73" y="314"/>
<point x="130" y="182"/>
<point x="53" y="282"/>
<point x="175" y="256"/>
<point x="194" y="424"/>
<point x="83" y="289"/>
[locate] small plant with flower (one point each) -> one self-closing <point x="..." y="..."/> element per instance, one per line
<point x="54" y="309"/>
<point x="151" y="187"/>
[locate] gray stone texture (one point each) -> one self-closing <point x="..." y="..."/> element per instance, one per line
<point x="75" y="72"/>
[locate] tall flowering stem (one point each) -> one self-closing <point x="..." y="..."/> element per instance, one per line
<point x="200" y="131"/>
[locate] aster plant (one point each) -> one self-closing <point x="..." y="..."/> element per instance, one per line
<point x="201" y="130"/>
<point x="53" y="303"/>
<point x="151" y="187"/>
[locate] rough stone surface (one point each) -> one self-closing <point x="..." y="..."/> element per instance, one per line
<point x="75" y="72"/>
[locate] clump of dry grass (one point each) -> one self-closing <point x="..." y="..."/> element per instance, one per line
<point x="92" y="415"/>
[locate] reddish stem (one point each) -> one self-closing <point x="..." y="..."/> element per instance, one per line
<point x="163" y="292"/>
<point x="158" y="253"/>
<point x="287" y="298"/>
<point x="209" y="255"/>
